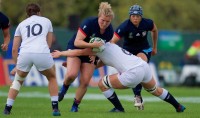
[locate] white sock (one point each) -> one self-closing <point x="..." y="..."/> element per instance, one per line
<point x="108" y="93"/>
<point x="54" y="98"/>
<point x="164" y="94"/>
<point x="10" y="102"/>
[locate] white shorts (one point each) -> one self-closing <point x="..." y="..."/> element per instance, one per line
<point x="42" y="61"/>
<point x="135" y="76"/>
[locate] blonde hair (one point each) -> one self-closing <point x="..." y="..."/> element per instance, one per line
<point x="105" y="9"/>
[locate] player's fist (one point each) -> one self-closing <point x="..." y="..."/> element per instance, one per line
<point x="4" y="47"/>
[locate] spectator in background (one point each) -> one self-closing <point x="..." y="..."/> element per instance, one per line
<point x="134" y="30"/>
<point x="34" y="37"/>
<point x="193" y="53"/>
<point x="4" y="25"/>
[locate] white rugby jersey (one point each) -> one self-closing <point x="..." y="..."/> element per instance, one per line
<point x="119" y="58"/>
<point x="33" y="32"/>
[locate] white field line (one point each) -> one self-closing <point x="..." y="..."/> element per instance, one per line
<point x="89" y="96"/>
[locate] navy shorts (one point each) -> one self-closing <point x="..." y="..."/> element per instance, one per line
<point x="84" y="59"/>
<point x="147" y="52"/>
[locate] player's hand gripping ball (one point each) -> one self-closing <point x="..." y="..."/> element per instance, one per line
<point x="97" y="39"/>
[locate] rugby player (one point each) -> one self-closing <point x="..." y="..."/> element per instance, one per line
<point x="134" y="31"/>
<point x="34" y="37"/>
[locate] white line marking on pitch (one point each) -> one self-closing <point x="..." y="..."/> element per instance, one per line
<point x="90" y="96"/>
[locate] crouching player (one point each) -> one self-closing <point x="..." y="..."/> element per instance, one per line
<point x="132" y="71"/>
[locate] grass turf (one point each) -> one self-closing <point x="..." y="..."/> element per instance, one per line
<point x="40" y="107"/>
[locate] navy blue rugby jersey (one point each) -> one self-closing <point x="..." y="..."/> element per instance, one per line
<point x="135" y="38"/>
<point x="4" y="21"/>
<point x="90" y="28"/>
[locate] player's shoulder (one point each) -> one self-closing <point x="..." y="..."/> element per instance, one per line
<point x="3" y="18"/>
<point x="43" y="18"/>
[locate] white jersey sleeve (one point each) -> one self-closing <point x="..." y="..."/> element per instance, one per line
<point x="17" y="32"/>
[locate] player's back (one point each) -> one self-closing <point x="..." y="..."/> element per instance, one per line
<point x="33" y="31"/>
<point x="119" y="58"/>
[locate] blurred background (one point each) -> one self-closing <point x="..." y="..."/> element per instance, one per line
<point x="176" y="20"/>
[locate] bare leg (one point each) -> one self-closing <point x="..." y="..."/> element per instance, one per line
<point x="73" y="67"/>
<point x="14" y="90"/>
<point x="87" y="70"/>
<point x="53" y="89"/>
<point x="86" y="74"/>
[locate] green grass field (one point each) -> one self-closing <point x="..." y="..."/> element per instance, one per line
<point x="34" y="102"/>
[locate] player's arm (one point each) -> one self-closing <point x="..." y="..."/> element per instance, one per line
<point x="6" y="35"/>
<point x="15" y="48"/>
<point x="73" y="53"/>
<point x="49" y="39"/>
<point x="115" y="38"/>
<point x="154" y="35"/>
<point x="79" y="41"/>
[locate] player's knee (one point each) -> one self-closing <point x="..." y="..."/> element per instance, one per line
<point x="16" y="84"/>
<point x="100" y="84"/>
<point x="106" y="82"/>
<point x="152" y="90"/>
<point x="84" y="84"/>
<point x="17" y="77"/>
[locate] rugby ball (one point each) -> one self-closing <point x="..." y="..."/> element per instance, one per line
<point x="97" y="39"/>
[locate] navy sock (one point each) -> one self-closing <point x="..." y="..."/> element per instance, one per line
<point x="137" y="90"/>
<point x="64" y="88"/>
<point x="54" y="104"/>
<point x="115" y="101"/>
<point x="76" y="102"/>
<point x="170" y="99"/>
